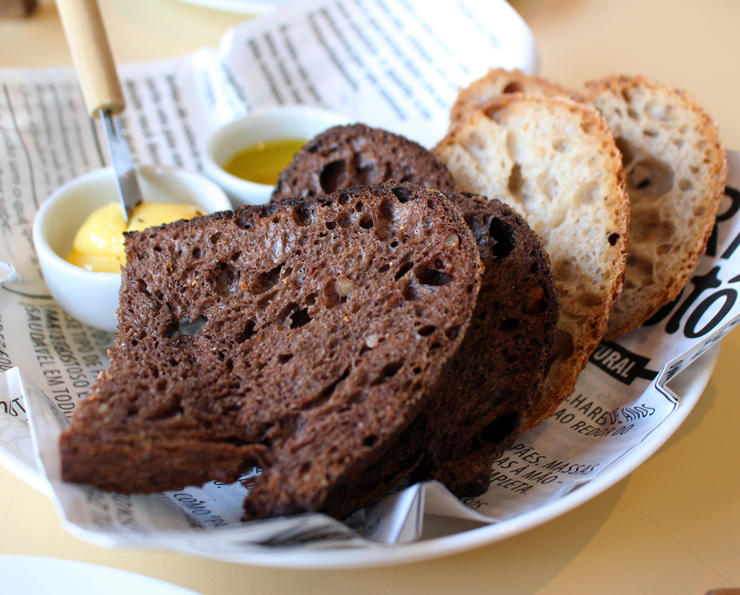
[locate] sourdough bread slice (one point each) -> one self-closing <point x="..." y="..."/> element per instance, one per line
<point x="356" y="155"/>
<point x="556" y="163"/>
<point x="478" y="410"/>
<point x="675" y="171"/>
<point x="324" y="327"/>
<point x="499" y="81"/>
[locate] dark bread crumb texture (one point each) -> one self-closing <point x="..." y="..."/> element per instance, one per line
<point x="357" y="155"/>
<point x="477" y="410"/>
<point x="302" y="336"/>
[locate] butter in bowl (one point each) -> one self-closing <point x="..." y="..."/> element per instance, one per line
<point x="88" y="289"/>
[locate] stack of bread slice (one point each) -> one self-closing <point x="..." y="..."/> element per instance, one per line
<point x="395" y="311"/>
<point x="521" y="138"/>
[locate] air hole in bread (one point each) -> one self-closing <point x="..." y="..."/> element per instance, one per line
<point x="516" y="181"/>
<point x="627" y="150"/>
<point x="633" y="114"/>
<point x="685" y="184"/>
<point x="188" y="327"/>
<point x="650" y="226"/>
<point x="143" y="288"/>
<point x="215" y="238"/>
<point x="649" y="178"/>
<point x="332" y="176"/>
<point x="266" y="299"/>
<point x="565" y="270"/>
<point x="224" y="278"/>
<point x="432" y="277"/>
<point x="388" y="371"/>
<point x="195" y="253"/>
<point x="388" y="210"/>
<point x="503" y="238"/>
<point x="513" y="87"/>
<point x="284" y="358"/>
<point x="501" y="428"/>
<point x="535" y="301"/>
<point x="613" y="239"/>
<point x="649" y="132"/>
<point x="589" y="300"/>
<point x="640" y="268"/>
<point x="331" y="225"/>
<point x="300" y="318"/>
<point x="411" y="292"/>
<point x="560" y="145"/>
<point x="304" y="213"/>
<point x="453" y="332"/>
<point x="427" y="330"/>
<point x="366" y="222"/>
<point x="403" y="269"/>
<point x="562" y="349"/>
<point x="265" y="280"/>
<point x="369" y="441"/>
<point x="402" y="194"/>
<point x="243" y="222"/>
<point x="331" y="295"/>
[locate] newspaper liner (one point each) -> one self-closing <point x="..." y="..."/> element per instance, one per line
<point x="385" y="65"/>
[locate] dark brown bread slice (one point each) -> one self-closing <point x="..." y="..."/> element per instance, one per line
<point x="315" y="352"/>
<point x="478" y="409"/>
<point x="356" y="155"/>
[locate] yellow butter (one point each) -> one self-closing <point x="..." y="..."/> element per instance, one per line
<point x="98" y="244"/>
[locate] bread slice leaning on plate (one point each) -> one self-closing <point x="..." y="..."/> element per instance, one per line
<point x="675" y="172"/>
<point x="555" y="162"/>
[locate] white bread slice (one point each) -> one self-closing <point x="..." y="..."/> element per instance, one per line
<point x="499" y="81"/>
<point x="555" y="162"/>
<point x="675" y="171"/>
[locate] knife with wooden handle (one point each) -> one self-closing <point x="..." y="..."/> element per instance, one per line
<point x="96" y="70"/>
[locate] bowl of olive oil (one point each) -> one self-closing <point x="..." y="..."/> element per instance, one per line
<point x="246" y="155"/>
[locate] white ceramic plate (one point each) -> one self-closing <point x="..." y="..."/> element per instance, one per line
<point x="456" y="536"/>
<point x="29" y="575"/>
<point x="245" y="6"/>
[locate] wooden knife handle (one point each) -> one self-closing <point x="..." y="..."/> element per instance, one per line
<point x="88" y="43"/>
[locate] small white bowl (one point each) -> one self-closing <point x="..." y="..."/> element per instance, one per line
<point x="268" y="124"/>
<point x="92" y="298"/>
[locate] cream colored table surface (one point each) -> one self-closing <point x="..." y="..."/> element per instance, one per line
<point x="673" y="526"/>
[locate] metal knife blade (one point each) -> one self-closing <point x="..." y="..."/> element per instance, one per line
<point x="123" y="164"/>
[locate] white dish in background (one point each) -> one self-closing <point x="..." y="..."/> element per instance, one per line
<point x="450" y="535"/>
<point x="30" y="575"/>
<point x="268" y="124"/>
<point x="88" y="296"/>
<point x="244" y="6"/>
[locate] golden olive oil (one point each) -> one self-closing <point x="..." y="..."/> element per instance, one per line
<point x="263" y="162"/>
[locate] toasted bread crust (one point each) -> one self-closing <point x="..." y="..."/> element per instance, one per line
<point x="675" y="174"/>
<point x="500" y="81"/>
<point x="555" y="162"/>
<point x="357" y="155"/>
